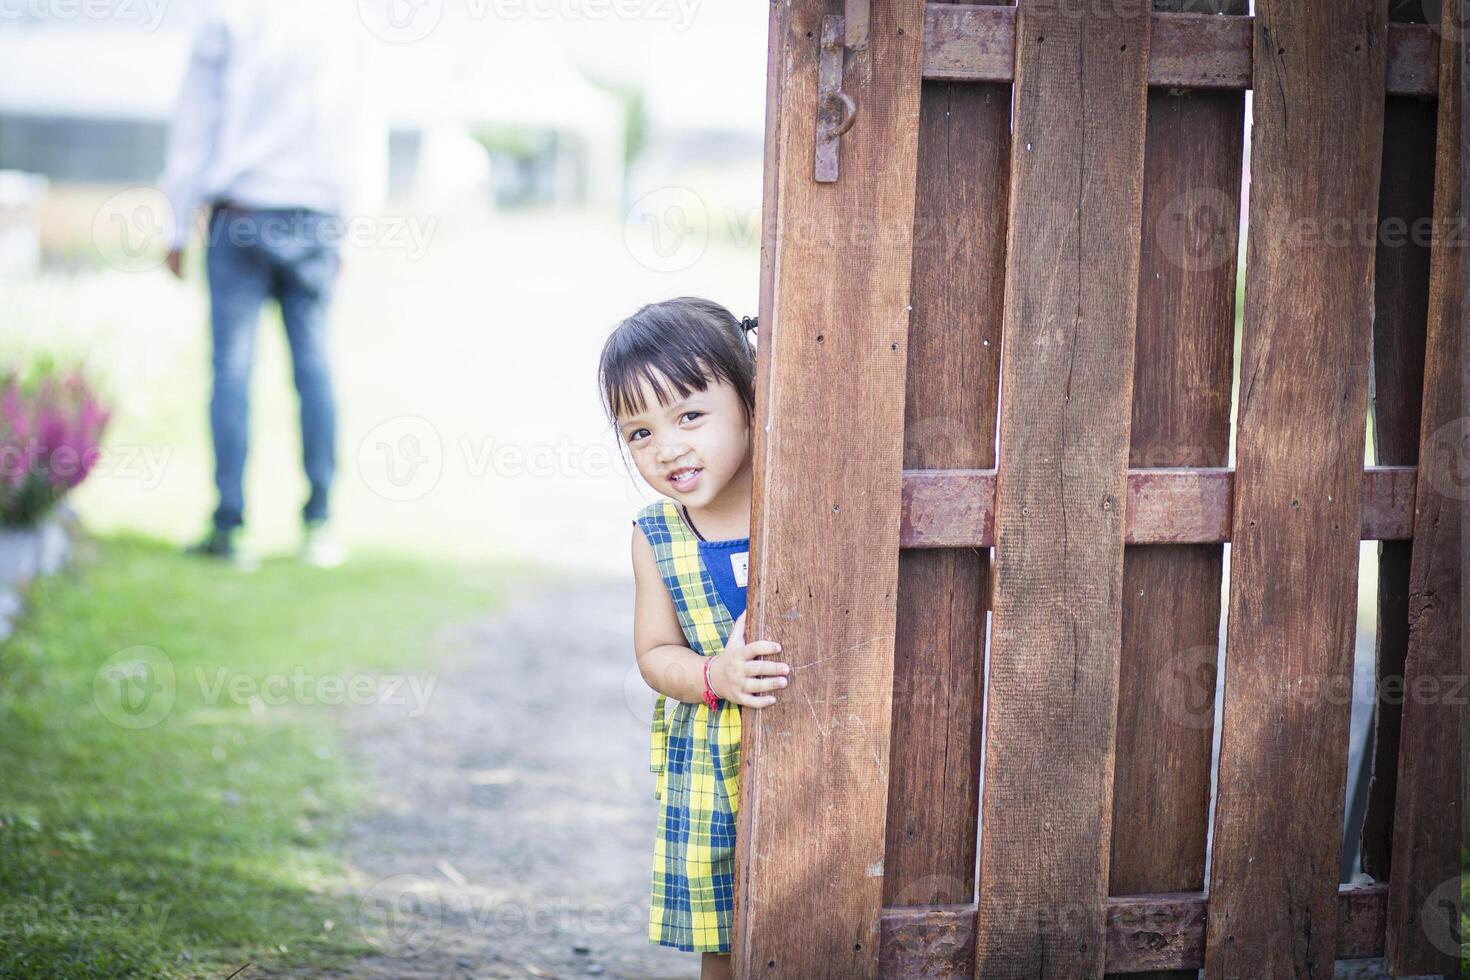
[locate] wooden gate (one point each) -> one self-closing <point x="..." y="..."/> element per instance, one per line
<point x="994" y="480"/>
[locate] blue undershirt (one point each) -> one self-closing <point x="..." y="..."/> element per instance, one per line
<point x="727" y="563"/>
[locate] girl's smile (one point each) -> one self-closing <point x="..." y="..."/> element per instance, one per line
<point x="686" y="479"/>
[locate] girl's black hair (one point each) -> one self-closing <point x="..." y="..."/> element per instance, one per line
<point x="688" y="341"/>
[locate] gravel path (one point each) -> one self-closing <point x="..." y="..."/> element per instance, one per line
<point x="514" y="830"/>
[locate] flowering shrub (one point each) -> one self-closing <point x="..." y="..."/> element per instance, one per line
<point x="50" y="438"/>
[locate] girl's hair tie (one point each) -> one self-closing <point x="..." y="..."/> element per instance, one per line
<point x="749" y="323"/>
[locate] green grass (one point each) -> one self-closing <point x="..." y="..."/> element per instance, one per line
<point x="1465" y="913"/>
<point x="205" y="841"/>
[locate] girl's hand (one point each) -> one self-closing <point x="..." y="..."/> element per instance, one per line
<point x="737" y="675"/>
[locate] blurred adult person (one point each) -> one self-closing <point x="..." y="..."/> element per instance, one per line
<point x="275" y="134"/>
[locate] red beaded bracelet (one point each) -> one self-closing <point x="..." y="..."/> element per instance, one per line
<point x="710" y="698"/>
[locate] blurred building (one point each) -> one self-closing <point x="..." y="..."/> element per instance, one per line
<point x="81" y="103"/>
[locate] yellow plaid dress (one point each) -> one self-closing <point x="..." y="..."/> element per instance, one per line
<point x="696" y="754"/>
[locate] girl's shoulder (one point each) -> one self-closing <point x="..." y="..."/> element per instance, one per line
<point x="659" y="515"/>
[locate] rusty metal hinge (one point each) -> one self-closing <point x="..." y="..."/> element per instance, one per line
<point x="836" y="110"/>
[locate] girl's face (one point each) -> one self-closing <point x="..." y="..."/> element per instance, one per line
<point x="690" y="449"/>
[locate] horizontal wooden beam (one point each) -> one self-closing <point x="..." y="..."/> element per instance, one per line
<point x="956" y="508"/>
<point x="973" y="43"/>
<point x="1145" y="932"/>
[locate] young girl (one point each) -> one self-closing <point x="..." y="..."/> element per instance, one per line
<point x="678" y="384"/>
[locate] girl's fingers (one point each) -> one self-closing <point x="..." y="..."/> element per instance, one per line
<point x="760" y="648"/>
<point x="755" y="668"/>
<point x="753" y="698"/>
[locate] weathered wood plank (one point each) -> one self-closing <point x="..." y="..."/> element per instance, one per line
<point x="1464" y="313"/>
<point x="1424" y="876"/>
<point x="949" y="421"/>
<point x="1298" y="487"/>
<point x="1188" y="50"/>
<point x="827" y="476"/>
<point x="1145" y="933"/>
<point x="1067" y="363"/>
<point x="1400" y="313"/>
<point x="1165" y="505"/>
<point x="1181" y="417"/>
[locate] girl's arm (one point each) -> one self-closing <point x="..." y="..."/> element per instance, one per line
<point x="667" y="663"/>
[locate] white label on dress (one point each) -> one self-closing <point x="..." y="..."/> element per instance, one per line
<point x="741" y="565"/>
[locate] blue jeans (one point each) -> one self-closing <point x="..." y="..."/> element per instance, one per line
<point x="292" y="255"/>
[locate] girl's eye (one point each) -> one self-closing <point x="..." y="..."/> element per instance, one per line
<point x="637" y="433"/>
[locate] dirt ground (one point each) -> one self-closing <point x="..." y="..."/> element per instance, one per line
<point x="514" y="827"/>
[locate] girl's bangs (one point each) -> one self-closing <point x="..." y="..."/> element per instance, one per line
<point x="625" y="391"/>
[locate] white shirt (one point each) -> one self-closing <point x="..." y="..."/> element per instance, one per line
<point x="276" y="110"/>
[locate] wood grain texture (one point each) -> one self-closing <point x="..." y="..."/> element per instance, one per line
<point x="1299" y="454"/>
<point x="1067" y="364"/>
<point x="1188" y="49"/>
<point x="1163" y="932"/>
<point x="1424" y="878"/>
<point x="1464" y="315"/>
<point x="828" y="464"/>
<point x="1165" y="505"/>
<point x="1181" y="417"/>
<point x="949" y="421"/>
<point x="1400" y="313"/>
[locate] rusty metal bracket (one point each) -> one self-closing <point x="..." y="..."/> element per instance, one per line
<point x="836" y="110"/>
<point x="855" y="33"/>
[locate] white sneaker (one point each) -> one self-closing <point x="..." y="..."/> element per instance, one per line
<point x="320" y="547"/>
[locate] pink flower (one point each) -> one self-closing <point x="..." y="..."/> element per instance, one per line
<point x="51" y="426"/>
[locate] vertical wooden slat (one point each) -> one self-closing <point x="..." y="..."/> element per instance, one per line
<point x="828" y="458"/>
<point x="1400" y="311"/>
<point x="1066" y="382"/>
<point x="1298" y="487"/>
<point x="1464" y="314"/>
<point x="1464" y="413"/>
<point x="949" y="422"/>
<point x="1424" y="886"/>
<point x="1181" y="417"/>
